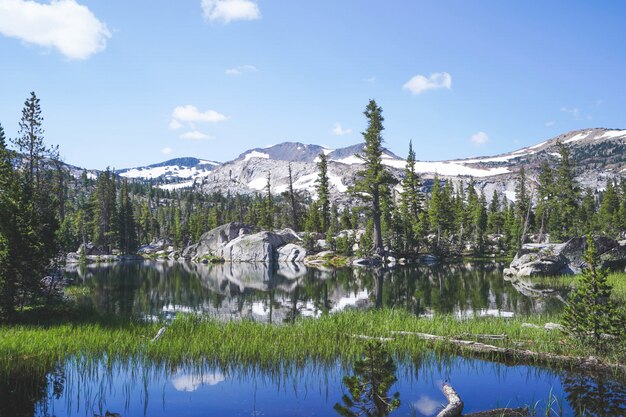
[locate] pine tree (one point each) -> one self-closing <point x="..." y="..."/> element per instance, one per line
<point x="127" y="234"/>
<point x="411" y="201"/>
<point x="522" y="210"/>
<point x="374" y="179"/>
<point x="268" y="205"/>
<point x="105" y="210"/>
<point x="608" y="214"/>
<point x="7" y="229"/>
<point x="295" y="213"/>
<point x="567" y="195"/>
<point x="323" y="190"/>
<point x="590" y="311"/>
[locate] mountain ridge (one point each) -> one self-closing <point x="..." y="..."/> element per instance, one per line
<point x="599" y="152"/>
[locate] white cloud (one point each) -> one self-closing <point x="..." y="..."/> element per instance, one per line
<point x="241" y="69"/>
<point x="175" y="124"/>
<point x="550" y="123"/>
<point x="370" y="80"/>
<point x="340" y="131"/>
<point x="435" y="81"/>
<point x="62" y="24"/>
<point x="191" y="382"/>
<point x="226" y="11"/>
<point x="167" y="151"/>
<point x="479" y="138"/>
<point x="191" y="113"/>
<point x="426" y="405"/>
<point x="574" y="111"/>
<point x="194" y="135"/>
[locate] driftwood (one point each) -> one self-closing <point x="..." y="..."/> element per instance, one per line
<point x="455" y="407"/>
<point x="501" y="412"/>
<point x="590" y="364"/>
<point x="365" y="337"/>
<point x="455" y="404"/>
<point x="159" y="334"/>
<point x="485" y="336"/>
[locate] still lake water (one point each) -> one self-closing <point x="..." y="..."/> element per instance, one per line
<point x="159" y="290"/>
<point x="254" y="291"/>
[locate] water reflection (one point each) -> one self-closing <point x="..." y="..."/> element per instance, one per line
<point x="281" y="294"/>
<point x="88" y="387"/>
<point x="368" y="389"/>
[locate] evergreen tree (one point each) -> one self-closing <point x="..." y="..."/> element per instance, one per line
<point x="522" y="210"/>
<point x="567" y="195"/>
<point x="495" y="219"/>
<point x="590" y="311"/>
<point x="411" y="201"/>
<point x="105" y="210"/>
<point x="127" y="235"/>
<point x="295" y="213"/>
<point x="608" y="214"/>
<point x="323" y="190"/>
<point x="268" y="205"/>
<point x="374" y="179"/>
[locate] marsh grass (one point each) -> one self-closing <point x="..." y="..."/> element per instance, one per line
<point x="39" y="337"/>
<point x="617" y="280"/>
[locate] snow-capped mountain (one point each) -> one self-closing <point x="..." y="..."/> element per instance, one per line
<point x="178" y="173"/>
<point x="597" y="153"/>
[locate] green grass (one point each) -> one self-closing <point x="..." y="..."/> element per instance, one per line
<point x="617" y="280"/>
<point x="39" y="339"/>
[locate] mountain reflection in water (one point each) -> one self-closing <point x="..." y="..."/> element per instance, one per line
<point x="280" y="294"/>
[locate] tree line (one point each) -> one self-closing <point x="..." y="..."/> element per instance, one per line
<point x="47" y="210"/>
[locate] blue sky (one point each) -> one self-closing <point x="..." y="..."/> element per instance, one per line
<point x="128" y="83"/>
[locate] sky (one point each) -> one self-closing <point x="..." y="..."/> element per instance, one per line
<point x="130" y="83"/>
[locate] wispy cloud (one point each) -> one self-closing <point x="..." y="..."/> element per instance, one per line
<point x="175" y="124"/>
<point x="191" y="113"/>
<point x="340" y="131"/>
<point x="479" y="138"/>
<point x="69" y="27"/>
<point x="435" y="81"/>
<point x="167" y="151"/>
<point x="241" y="69"/>
<point x="226" y="11"/>
<point x="550" y="123"/>
<point x="370" y="80"/>
<point x="194" y="135"/>
<point x="574" y="111"/>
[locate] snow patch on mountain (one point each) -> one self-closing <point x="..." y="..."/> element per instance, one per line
<point x="255" y="154"/>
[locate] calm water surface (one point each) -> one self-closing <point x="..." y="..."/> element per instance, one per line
<point x="159" y="290"/>
<point x="280" y="294"/>
<point x="130" y="389"/>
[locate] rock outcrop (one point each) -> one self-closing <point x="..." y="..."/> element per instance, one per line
<point x="235" y="242"/>
<point x="545" y="259"/>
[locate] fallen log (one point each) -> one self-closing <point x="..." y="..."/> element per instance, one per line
<point x="485" y="336"/>
<point x="158" y="335"/>
<point x="501" y="412"/>
<point x="455" y="404"/>
<point x="591" y="363"/>
<point x="365" y="337"/>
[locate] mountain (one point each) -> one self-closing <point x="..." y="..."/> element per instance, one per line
<point x="179" y="172"/>
<point x="597" y="153"/>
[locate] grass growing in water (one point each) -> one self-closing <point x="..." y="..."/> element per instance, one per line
<point x="329" y="338"/>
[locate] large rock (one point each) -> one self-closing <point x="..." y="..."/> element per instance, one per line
<point x="545" y="259"/>
<point x="235" y="242"/>
<point x="291" y="253"/>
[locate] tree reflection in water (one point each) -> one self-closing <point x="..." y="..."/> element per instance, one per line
<point x="368" y="388"/>
<point x="595" y="397"/>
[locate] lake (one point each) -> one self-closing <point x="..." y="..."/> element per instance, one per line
<point x="156" y="290"/>
<point x="159" y="289"/>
